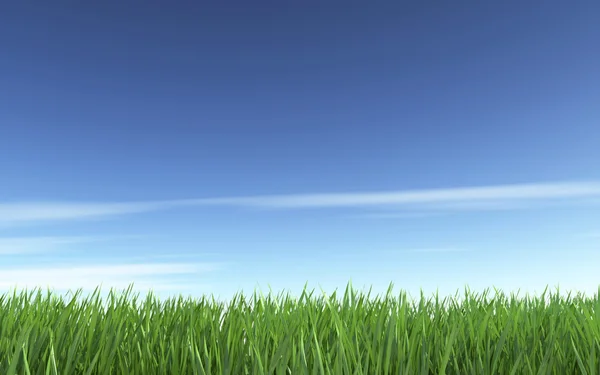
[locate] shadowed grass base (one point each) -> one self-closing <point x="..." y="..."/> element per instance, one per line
<point x="353" y="333"/>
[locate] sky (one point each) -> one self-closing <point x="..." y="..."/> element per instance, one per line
<point x="201" y="148"/>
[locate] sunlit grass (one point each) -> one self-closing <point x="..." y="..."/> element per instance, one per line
<point x="353" y="333"/>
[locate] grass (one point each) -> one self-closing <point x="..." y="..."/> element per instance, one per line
<point x="352" y="333"/>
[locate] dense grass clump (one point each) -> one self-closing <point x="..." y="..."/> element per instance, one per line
<point x="350" y="334"/>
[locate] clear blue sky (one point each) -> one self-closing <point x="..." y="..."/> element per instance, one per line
<point x="181" y="146"/>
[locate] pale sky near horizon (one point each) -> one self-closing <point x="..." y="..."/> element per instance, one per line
<point x="203" y="148"/>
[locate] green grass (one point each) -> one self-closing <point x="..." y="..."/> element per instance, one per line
<point x="353" y="333"/>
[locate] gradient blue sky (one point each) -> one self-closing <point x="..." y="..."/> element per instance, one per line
<point x="203" y="148"/>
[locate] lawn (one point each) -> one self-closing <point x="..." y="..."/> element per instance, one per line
<point x="345" y="333"/>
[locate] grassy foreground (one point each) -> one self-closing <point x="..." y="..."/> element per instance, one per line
<point x="314" y="334"/>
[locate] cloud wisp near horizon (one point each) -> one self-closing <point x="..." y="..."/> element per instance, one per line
<point x="509" y="196"/>
<point x="178" y="275"/>
<point x="47" y="244"/>
<point x="73" y="273"/>
<point x="143" y="276"/>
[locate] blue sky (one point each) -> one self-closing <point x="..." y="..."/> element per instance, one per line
<point x="202" y="148"/>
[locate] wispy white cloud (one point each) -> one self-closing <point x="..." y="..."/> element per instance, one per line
<point x="30" y="245"/>
<point x="396" y="215"/>
<point x="440" y="250"/>
<point x="143" y="275"/>
<point x="43" y="211"/>
<point x="486" y="205"/>
<point x="489" y="195"/>
<point x="33" y="245"/>
<point x="482" y="197"/>
<point x="425" y="250"/>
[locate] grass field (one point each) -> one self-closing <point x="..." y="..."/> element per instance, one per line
<point x="352" y="333"/>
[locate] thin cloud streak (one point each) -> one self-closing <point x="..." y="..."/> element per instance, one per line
<point x="483" y="197"/>
<point x="440" y="250"/>
<point x="45" y="244"/>
<point x="427" y="250"/>
<point x="43" y="211"/>
<point x="31" y="245"/>
<point x="144" y="275"/>
<point x="396" y="215"/>
<point x="490" y="195"/>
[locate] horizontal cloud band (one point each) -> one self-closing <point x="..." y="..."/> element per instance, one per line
<point x="43" y="211"/>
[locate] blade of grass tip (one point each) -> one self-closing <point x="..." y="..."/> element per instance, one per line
<point x="348" y="295"/>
